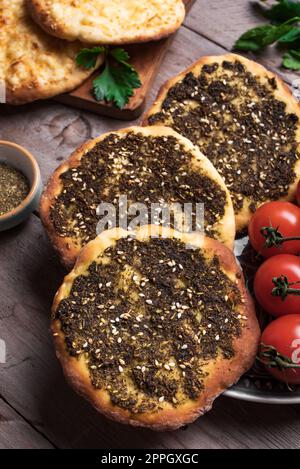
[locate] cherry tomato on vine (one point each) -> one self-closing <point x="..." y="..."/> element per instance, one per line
<point x="280" y="348"/>
<point x="271" y="224"/>
<point x="274" y="285"/>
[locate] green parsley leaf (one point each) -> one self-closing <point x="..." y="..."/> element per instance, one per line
<point x="291" y="36"/>
<point x="87" y="58"/>
<point x="254" y="39"/>
<point x="117" y="84"/>
<point x="291" y="60"/>
<point x="284" y="30"/>
<point x="262" y="36"/>
<point x="285" y="10"/>
<point x="247" y="45"/>
<point x="120" y="55"/>
<point x="118" y="79"/>
<point x="278" y="32"/>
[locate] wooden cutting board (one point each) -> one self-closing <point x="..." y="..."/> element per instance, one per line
<point x="146" y="58"/>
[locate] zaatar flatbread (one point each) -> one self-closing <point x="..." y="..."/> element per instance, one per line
<point x="151" y="332"/>
<point x="153" y="165"/>
<point x="244" y="119"/>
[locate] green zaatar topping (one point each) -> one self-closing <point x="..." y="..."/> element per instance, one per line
<point x="146" y="169"/>
<point x="234" y="118"/>
<point x="148" y="319"/>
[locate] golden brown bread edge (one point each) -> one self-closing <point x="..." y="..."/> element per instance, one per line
<point x="46" y="22"/>
<point x="31" y="90"/>
<point x="66" y="247"/>
<point x="32" y="84"/>
<point x="225" y="372"/>
<point x="283" y="93"/>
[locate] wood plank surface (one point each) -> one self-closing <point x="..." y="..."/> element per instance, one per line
<point x="42" y="408"/>
<point x="16" y="433"/>
<point x="146" y="59"/>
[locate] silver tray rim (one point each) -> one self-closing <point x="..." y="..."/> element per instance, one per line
<point x="262" y="397"/>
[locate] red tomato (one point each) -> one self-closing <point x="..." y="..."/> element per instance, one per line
<point x="298" y="193"/>
<point x="282" y="265"/>
<point x="282" y="215"/>
<point x="284" y="335"/>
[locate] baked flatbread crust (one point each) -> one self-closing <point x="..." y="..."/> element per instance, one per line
<point x="219" y="373"/>
<point x="34" y="64"/>
<point x="69" y="247"/>
<point x="108" y="22"/>
<point x="280" y="92"/>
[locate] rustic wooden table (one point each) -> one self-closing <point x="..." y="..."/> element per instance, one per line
<point x="37" y="408"/>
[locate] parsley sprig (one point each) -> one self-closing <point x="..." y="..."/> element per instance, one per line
<point x="118" y="78"/>
<point x="284" y="30"/>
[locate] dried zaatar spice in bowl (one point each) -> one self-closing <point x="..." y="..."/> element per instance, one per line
<point x="20" y="184"/>
<point x="14" y="188"/>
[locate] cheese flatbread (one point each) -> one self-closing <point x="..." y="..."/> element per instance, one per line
<point x="34" y="64"/>
<point x="108" y="22"/>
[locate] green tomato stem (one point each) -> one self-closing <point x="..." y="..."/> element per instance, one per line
<point x="282" y="287"/>
<point x="270" y="357"/>
<point x="274" y="238"/>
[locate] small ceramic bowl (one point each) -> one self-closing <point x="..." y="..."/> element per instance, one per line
<point x="16" y="156"/>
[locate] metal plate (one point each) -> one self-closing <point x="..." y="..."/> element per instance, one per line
<point x="257" y="385"/>
<point x="251" y="393"/>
